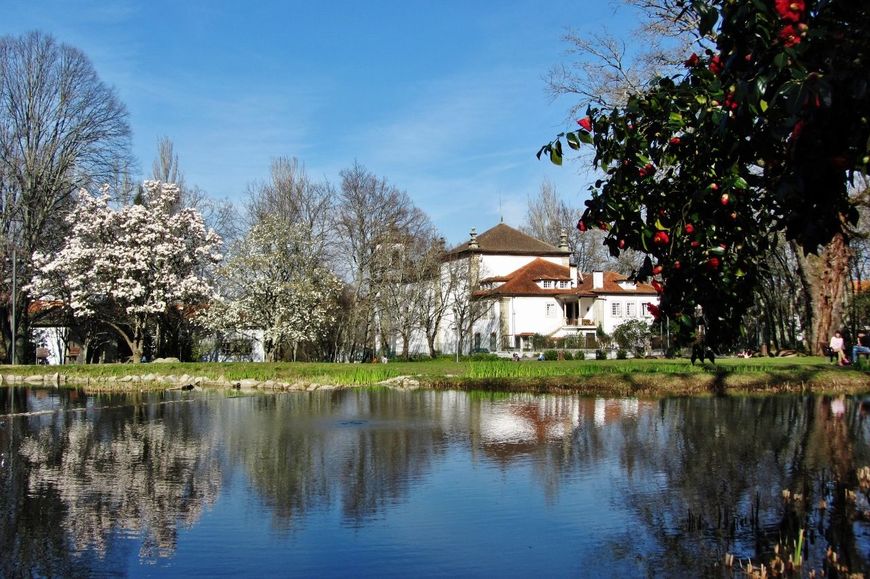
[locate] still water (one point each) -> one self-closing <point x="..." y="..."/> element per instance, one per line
<point x="388" y="483"/>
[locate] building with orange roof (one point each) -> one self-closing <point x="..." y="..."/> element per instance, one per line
<point x="530" y="287"/>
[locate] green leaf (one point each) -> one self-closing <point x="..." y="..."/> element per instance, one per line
<point x="740" y="183"/>
<point x="556" y="153"/>
<point x="573" y="142"/>
<point x="676" y="118"/>
<point x="780" y="60"/>
<point x="661" y="226"/>
<point x="763" y="105"/>
<point x="702" y="99"/>
<point x="585" y="137"/>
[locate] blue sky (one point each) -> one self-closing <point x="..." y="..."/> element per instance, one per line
<point x="445" y="99"/>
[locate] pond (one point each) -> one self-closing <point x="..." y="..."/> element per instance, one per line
<point x="392" y="483"/>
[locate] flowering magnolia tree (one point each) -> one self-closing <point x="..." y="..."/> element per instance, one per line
<point x="128" y="267"/>
<point x="760" y="134"/>
<point x="273" y="283"/>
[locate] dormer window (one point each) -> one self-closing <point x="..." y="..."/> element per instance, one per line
<point x="547" y="284"/>
<point x="563" y="284"/>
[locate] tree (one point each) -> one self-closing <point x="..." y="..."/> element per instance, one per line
<point x="369" y="211"/>
<point x="406" y="267"/>
<point x="463" y="276"/>
<point x="761" y="134"/>
<point x="272" y="283"/>
<point x="436" y="295"/>
<point x="128" y="267"/>
<point x="61" y="128"/>
<point x="633" y="335"/>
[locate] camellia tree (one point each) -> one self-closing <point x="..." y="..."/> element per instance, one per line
<point x="127" y="267"/>
<point x="760" y="134"/>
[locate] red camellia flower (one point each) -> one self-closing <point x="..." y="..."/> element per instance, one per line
<point x="661" y="238"/>
<point x="621" y="244"/>
<point x="695" y="244"/>
<point x="581" y="226"/>
<point x="689" y="228"/>
<point x="716" y="65"/>
<point x="657" y="270"/>
<point x="693" y="61"/>
<point x="713" y="263"/>
<point x="790" y="10"/>
<point x="646" y="170"/>
<point x="789" y="35"/>
<point x="657" y="285"/>
<point x="585" y="123"/>
<point x="724" y="199"/>
<point x="677" y="264"/>
<point x="654" y="310"/>
<point x="797" y="130"/>
<point x="674" y="140"/>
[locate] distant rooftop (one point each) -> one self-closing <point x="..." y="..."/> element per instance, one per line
<point x="505" y="240"/>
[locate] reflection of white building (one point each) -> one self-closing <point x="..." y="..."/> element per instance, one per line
<point x="531" y="288"/>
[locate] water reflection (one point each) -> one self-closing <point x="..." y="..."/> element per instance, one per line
<point x="629" y="486"/>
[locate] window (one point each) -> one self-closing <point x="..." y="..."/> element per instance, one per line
<point x="477" y="341"/>
<point x="551" y="310"/>
<point x="616" y="309"/>
<point x="547" y="284"/>
<point x="563" y="284"/>
<point x="645" y="307"/>
<point x="630" y="310"/>
<point x="492" y="342"/>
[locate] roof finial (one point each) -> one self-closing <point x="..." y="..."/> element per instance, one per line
<point x="563" y="240"/>
<point x="472" y="243"/>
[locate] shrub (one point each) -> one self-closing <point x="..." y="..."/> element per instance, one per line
<point x="567" y="355"/>
<point x="600" y="355"/>
<point x="550" y="355"/>
<point x="621" y="354"/>
<point x="482" y="357"/>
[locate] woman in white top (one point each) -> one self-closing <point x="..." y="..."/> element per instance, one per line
<point x="837" y="346"/>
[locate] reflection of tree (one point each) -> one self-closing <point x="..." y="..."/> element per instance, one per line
<point x="76" y="479"/>
<point x="307" y="451"/>
<point x="723" y="464"/>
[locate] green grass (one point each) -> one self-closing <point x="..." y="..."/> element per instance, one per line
<point x="442" y="369"/>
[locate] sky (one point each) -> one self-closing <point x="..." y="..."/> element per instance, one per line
<point x="445" y="99"/>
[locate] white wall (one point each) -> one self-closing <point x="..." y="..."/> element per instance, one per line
<point x="604" y="310"/>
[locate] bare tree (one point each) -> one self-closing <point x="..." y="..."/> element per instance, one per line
<point x="369" y="211"/>
<point x="436" y="297"/>
<point x="604" y="70"/>
<point x="466" y="309"/>
<point x="406" y="267"/>
<point x="61" y="128"/>
<point x="292" y="196"/>
<point x="548" y="216"/>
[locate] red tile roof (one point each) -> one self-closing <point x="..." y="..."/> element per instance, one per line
<point x="524" y="282"/>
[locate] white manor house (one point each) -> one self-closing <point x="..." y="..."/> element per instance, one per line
<point x="530" y="288"/>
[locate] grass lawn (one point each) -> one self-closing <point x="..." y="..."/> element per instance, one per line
<point x="619" y="377"/>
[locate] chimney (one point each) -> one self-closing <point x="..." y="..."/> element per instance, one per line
<point x="563" y="240"/>
<point x="574" y="275"/>
<point x="597" y="280"/>
<point x="472" y="243"/>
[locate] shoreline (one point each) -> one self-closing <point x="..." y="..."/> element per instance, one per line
<point x="624" y="384"/>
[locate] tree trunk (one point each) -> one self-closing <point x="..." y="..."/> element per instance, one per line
<point x="824" y="277"/>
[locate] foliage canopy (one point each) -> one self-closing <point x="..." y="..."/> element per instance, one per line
<point x="760" y="134"/>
